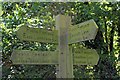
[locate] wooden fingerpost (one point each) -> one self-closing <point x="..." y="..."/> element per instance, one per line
<point x="65" y="69"/>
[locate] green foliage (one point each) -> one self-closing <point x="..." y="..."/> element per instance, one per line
<point x="36" y="14"/>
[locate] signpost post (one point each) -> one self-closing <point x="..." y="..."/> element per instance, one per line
<point x="65" y="57"/>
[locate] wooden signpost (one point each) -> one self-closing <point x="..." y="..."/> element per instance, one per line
<point x="64" y="35"/>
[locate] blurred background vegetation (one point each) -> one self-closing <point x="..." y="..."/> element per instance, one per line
<point x="40" y="14"/>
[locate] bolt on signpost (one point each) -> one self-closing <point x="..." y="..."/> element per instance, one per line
<point x="64" y="35"/>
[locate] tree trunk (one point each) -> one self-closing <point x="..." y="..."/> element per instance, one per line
<point x="106" y="38"/>
<point x="112" y="38"/>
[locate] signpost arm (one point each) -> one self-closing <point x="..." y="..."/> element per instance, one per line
<point x="70" y="62"/>
<point x="65" y="65"/>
